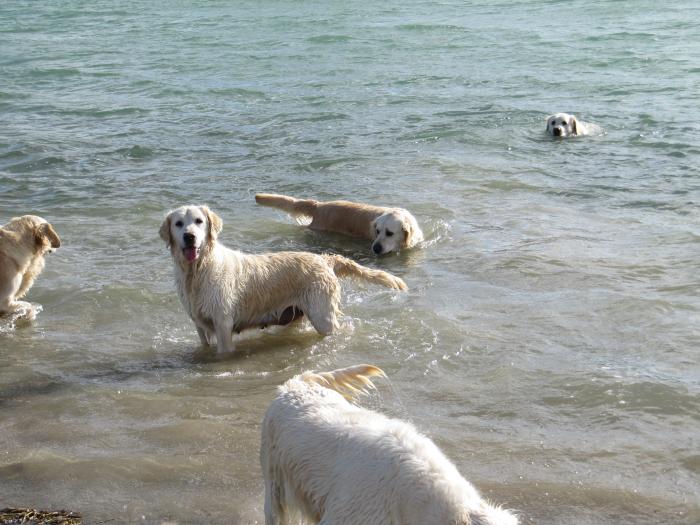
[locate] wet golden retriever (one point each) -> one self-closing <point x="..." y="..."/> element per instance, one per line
<point x="24" y="241"/>
<point x="327" y="461"/>
<point x="226" y="291"/>
<point x="389" y="229"/>
<point x="564" y="125"/>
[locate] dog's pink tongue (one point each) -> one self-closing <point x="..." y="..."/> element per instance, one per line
<point x="190" y="254"/>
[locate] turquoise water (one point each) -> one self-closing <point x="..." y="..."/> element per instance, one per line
<point x="549" y="339"/>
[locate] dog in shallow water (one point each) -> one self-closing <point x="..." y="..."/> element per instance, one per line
<point x="24" y="241"/>
<point x="328" y="461"/>
<point x="565" y="125"/>
<point x="226" y="291"/>
<point x="389" y="229"/>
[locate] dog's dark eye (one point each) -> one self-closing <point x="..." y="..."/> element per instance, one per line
<point x="198" y="220"/>
<point x="389" y="234"/>
<point x="178" y="224"/>
<point x="377" y="231"/>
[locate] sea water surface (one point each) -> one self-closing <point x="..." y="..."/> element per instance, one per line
<point x="549" y="340"/>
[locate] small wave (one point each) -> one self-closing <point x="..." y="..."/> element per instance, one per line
<point x="428" y="27"/>
<point x="4" y="95"/>
<point x="32" y="163"/>
<point x="509" y="185"/>
<point x="319" y="117"/>
<point x="621" y="35"/>
<point x="433" y="135"/>
<point x="55" y="72"/>
<point x="136" y="152"/>
<point x="239" y="93"/>
<point x="99" y="113"/>
<point x="325" y="163"/>
<point x="329" y="39"/>
<point x="655" y="205"/>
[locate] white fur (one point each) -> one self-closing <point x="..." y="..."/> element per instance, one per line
<point x="564" y="125"/>
<point x="330" y="462"/>
<point x="226" y="291"/>
<point x="394" y="230"/>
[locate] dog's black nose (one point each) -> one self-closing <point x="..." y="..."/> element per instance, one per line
<point x="556" y="132"/>
<point x="188" y="238"/>
<point x="377" y="248"/>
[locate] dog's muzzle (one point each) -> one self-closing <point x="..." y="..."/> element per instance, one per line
<point x="377" y="248"/>
<point x="188" y="239"/>
<point x="190" y="251"/>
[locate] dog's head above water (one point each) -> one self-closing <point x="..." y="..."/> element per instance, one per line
<point x="562" y="125"/>
<point x="190" y="230"/>
<point x="394" y="230"/>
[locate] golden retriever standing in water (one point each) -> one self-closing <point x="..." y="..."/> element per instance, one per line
<point x="330" y="462"/>
<point x="389" y="229"/>
<point x="23" y="243"/>
<point x="226" y="291"/>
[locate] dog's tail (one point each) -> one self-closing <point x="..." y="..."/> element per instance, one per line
<point x="344" y="267"/>
<point x="348" y="382"/>
<point x="295" y="207"/>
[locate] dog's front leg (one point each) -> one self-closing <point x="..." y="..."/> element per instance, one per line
<point x="24" y="308"/>
<point x="224" y="335"/>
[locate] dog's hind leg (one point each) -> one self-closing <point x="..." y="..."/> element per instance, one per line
<point x="323" y="317"/>
<point x="321" y="307"/>
<point x="203" y="339"/>
<point x="274" y="511"/>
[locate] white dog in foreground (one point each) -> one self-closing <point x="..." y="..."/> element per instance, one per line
<point x="565" y="125"/>
<point x="389" y="229"/>
<point x="329" y="462"/>
<point x="226" y="291"/>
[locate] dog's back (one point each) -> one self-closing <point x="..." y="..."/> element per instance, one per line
<point x="349" y="218"/>
<point x="338" y="463"/>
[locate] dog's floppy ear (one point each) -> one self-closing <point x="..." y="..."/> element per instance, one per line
<point x="164" y="231"/>
<point x="214" y="221"/>
<point x="573" y="125"/>
<point x="407" y="228"/>
<point x="373" y="229"/>
<point x="45" y="230"/>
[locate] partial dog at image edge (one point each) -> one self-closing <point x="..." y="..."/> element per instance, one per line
<point x="563" y="125"/>
<point x="328" y="461"/>
<point x="389" y="229"/>
<point x="24" y="241"/>
<point x="225" y="291"/>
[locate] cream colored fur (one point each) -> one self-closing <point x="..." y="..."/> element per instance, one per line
<point x="24" y="241"/>
<point x="226" y="291"/>
<point x="565" y="125"/>
<point x="389" y="229"/>
<point x="327" y="461"/>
